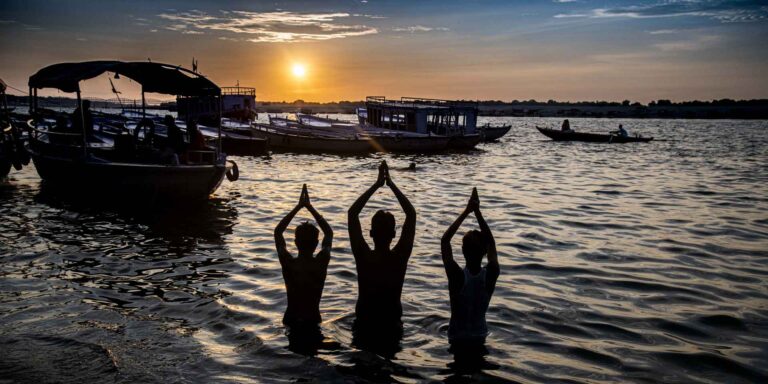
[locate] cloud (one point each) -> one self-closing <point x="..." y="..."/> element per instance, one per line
<point x="664" y="32"/>
<point x="723" y="11"/>
<point x="700" y="43"/>
<point x="419" y="28"/>
<point x="269" y="27"/>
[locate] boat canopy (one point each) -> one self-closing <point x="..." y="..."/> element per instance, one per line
<point x="153" y="77"/>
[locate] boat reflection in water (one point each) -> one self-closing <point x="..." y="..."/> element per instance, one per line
<point x="210" y="220"/>
<point x="119" y="160"/>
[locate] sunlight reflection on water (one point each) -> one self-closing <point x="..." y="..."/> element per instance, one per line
<point x="619" y="263"/>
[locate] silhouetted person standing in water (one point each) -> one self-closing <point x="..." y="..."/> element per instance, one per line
<point x="470" y="288"/>
<point x="304" y="275"/>
<point x="381" y="270"/>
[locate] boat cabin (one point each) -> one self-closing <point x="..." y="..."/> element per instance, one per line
<point x="237" y="103"/>
<point x="420" y="115"/>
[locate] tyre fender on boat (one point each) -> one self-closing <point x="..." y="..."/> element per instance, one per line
<point x="233" y="173"/>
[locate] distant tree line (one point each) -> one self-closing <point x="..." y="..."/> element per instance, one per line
<point x="628" y="103"/>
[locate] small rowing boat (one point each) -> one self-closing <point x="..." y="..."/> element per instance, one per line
<point x="559" y="135"/>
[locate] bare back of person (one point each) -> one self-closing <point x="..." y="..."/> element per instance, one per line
<point x="304" y="282"/>
<point x="381" y="270"/>
<point x="380" y="285"/>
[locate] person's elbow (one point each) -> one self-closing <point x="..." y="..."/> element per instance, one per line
<point x="445" y="241"/>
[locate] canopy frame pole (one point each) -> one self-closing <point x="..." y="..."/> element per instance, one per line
<point x="82" y="121"/>
<point x="143" y="104"/>
<point x="31" y="104"/>
<point x="218" y="118"/>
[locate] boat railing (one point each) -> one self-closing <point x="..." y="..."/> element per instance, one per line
<point x="238" y="91"/>
<point x="415" y="102"/>
<point x="35" y="132"/>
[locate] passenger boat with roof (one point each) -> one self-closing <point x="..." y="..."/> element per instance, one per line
<point x="113" y="159"/>
<point x="454" y="119"/>
<point x="238" y="112"/>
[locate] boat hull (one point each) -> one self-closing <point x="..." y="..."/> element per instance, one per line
<point x="299" y="143"/>
<point x="465" y="142"/>
<point x="243" y="146"/>
<point x="281" y="140"/>
<point x="558" y="135"/>
<point x="408" y="144"/>
<point x="494" y="133"/>
<point x="137" y="181"/>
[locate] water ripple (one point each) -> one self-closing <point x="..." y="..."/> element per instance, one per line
<point x="620" y="263"/>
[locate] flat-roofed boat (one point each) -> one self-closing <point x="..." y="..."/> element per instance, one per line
<point x="126" y="163"/>
<point x="560" y="135"/>
<point x="455" y="119"/>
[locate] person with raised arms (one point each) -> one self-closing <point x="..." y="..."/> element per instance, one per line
<point x="470" y="287"/>
<point x="304" y="275"/>
<point x="381" y="270"/>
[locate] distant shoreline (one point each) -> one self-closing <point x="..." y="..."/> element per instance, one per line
<point x="662" y="109"/>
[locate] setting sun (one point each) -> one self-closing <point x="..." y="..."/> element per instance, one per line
<point x="299" y="70"/>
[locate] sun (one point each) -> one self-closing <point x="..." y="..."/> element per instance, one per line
<point x="299" y="70"/>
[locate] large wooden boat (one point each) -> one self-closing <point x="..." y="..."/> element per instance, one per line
<point x="559" y="135"/>
<point x="301" y="138"/>
<point x="236" y="102"/>
<point x="285" y="140"/>
<point x="238" y="142"/>
<point x="454" y="119"/>
<point x="125" y="164"/>
<point x="12" y="151"/>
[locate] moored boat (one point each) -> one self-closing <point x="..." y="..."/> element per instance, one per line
<point x="454" y="119"/>
<point x="12" y="151"/>
<point x="304" y="139"/>
<point x="239" y="143"/>
<point x="493" y="133"/>
<point x="127" y="163"/>
<point x="284" y="140"/>
<point x="559" y="135"/>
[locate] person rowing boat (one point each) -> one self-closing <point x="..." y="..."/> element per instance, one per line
<point x="566" y="127"/>
<point x="621" y="132"/>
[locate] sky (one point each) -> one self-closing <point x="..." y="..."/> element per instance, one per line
<point x="474" y="49"/>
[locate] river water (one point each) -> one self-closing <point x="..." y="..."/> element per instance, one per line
<point x="624" y="262"/>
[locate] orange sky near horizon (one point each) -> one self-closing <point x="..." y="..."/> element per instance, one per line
<point x="493" y="50"/>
